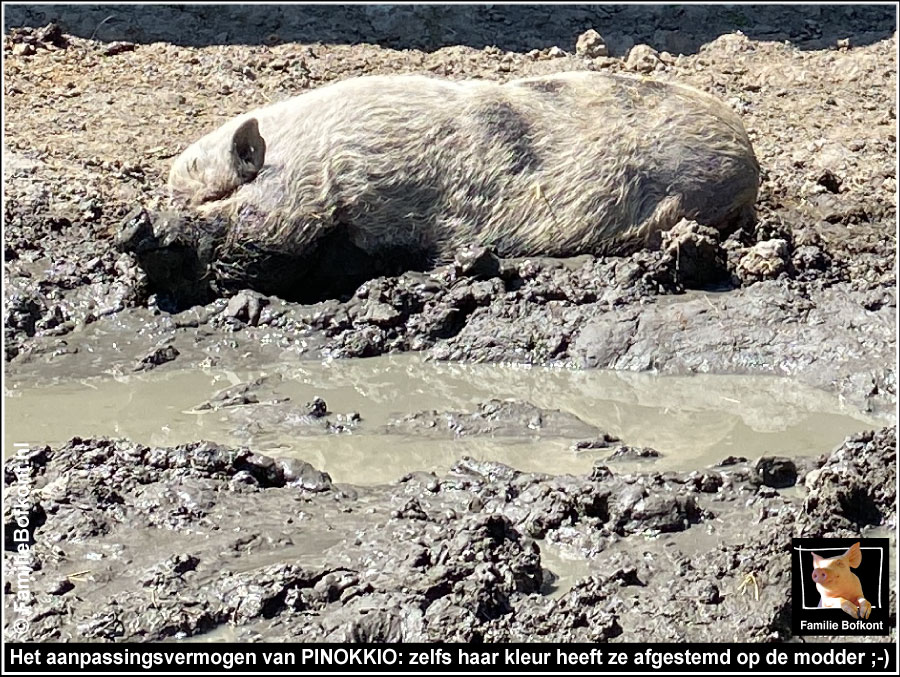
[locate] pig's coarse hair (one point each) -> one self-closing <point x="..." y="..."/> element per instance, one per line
<point x="556" y="165"/>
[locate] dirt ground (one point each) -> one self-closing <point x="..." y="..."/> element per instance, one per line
<point x="97" y="104"/>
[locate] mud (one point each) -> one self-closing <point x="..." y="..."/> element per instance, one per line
<point x="157" y="536"/>
<point x="139" y="543"/>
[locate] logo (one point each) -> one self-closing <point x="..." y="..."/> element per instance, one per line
<point x="840" y="586"/>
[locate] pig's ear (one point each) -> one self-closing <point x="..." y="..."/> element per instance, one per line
<point x="816" y="559"/>
<point x="248" y="150"/>
<point x="854" y="556"/>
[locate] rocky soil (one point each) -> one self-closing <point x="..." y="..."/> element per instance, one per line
<point x="98" y="103"/>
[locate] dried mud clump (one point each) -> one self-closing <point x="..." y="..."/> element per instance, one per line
<point x="856" y="487"/>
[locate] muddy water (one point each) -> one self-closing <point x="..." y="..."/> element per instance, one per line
<point x="561" y="570"/>
<point x="694" y="421"/>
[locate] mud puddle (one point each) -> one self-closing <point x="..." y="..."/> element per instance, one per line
<point x="692" y="421"/>
<point x="561" y="569"/>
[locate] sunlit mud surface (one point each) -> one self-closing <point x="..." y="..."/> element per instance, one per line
<point x="374" y="470"/>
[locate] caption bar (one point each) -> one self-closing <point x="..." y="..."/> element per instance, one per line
<point x="444" y="657"/>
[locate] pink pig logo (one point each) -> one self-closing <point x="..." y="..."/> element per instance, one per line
<point x="838" y="586"/>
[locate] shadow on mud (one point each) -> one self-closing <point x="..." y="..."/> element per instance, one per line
<point x="676" y="29"/>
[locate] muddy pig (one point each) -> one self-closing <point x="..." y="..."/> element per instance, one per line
<point x="378" y="174"/>
<point x="838" y="586"/>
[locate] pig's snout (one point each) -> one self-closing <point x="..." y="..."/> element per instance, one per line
<point x="824" y="577"/>
<point x="135" y="232"/>
<point x="139" y="232"/>
<point x="173" y="251"/>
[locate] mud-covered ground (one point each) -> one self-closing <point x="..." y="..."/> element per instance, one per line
<point x="151" y="543"/>
<point x="144" y="544"/>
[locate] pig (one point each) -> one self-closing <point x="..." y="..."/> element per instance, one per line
<point x="380" y="174"/>
<point x="838" y="586"/>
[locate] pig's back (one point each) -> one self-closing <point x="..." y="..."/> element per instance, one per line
<point x="556" y="162"/>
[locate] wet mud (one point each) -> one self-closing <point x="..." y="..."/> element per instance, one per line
<point x="483" y="478"/>
<point x="136" y="543"/>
